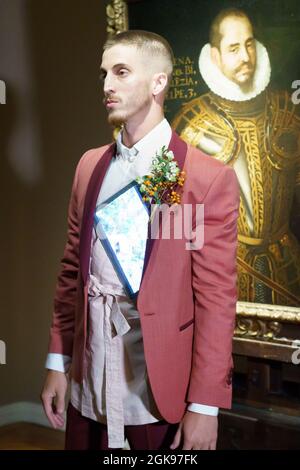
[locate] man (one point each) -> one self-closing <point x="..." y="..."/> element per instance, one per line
<point x="246" y="125"/>
<point x="135" y="366"/>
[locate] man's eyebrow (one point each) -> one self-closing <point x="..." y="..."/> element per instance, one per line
<point x="237" y="43"/>
<point x="103" y="70"/>
<point x="120" y="65"/>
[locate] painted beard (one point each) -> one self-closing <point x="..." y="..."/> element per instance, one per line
<point x="247" y="84"/>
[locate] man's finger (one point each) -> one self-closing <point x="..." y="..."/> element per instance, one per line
<point x="52" y="418"/>
<point x="60" y="404"/>
<point x="187" y="445"/>
<point x="177" y="439"/>
<point x="58" y="417"/>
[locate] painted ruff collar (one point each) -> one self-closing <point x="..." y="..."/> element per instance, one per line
<point x="222" y="86"/>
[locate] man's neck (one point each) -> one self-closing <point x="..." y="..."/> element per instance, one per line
<point x="133" y="131"/>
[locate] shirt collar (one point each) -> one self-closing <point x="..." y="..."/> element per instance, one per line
<point x="151" y="143"/>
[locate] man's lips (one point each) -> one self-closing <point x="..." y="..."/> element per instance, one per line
<point x="110" y="103"/>
<point x="245" y="70"/>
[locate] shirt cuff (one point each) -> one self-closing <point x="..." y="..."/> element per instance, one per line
<point x="203" y="409"/>
<point x="58" y="362"/>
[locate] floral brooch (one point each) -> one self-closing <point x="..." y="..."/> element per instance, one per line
<point x="160" y="185"/>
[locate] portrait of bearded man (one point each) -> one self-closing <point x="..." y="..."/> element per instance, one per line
<point x="255" y="129"/>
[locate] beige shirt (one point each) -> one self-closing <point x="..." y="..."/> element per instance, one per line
<point x="115" y="388"/>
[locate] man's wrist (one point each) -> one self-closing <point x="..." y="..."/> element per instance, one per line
<point x="58" y="362"/>
<point x="203" y="409"/>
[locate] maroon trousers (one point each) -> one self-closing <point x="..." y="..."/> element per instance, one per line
<point x="86" y="434"/>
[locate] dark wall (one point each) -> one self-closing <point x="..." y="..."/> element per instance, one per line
<point x="50" y="53"/>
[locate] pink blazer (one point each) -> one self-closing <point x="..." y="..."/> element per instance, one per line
<point x="187" y="299"/>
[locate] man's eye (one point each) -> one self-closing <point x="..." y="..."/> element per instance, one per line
<point x="123" y="72"/>
<point x="234" y="51"/>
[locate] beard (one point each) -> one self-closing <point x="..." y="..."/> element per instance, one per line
<point x="131" y="108"/>
<point x="116" y="119"/>
<point x="246" y="84"/>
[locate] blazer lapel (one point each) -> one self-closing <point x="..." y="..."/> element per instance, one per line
<point x="92" y="193"/>
<point x="179" y="148"/>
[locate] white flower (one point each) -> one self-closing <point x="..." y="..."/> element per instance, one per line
<point x="165" y="170"/>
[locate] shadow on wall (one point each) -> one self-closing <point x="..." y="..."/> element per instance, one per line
<point x="22" y="143"/>
<point x="50" y="58"/>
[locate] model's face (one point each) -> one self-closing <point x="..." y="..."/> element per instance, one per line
<point x="126" y="84"/>
<point x="237" y="55"/>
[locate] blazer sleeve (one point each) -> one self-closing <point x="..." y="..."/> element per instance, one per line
<point x="65" y="298"/>
<point x="214" y="281"/>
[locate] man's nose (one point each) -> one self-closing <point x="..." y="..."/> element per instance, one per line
<point x="244" y="54"/>
<point x="108" y="85"/>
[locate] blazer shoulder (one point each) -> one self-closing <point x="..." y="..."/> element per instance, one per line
<point x="86" y="166"/>
<point x="92" y="156"/>
<point x="89" y="160"/>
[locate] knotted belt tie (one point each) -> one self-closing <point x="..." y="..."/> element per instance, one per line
<point x="115" y="326"/>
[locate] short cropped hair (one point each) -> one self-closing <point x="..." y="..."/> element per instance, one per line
<point x="215" y="36"/>
<point x="148" y="42"/>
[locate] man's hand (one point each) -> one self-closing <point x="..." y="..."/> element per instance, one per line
<point x="198" y="432"/>
<point x="53" y="397"/>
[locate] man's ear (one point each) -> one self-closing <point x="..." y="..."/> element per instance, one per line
<point x="215" y="56"/>
<point x="159" y="83"/>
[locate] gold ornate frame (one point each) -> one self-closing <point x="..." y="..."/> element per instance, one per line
<point x="117" y="17"/>
<point x="259" y="327"/>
